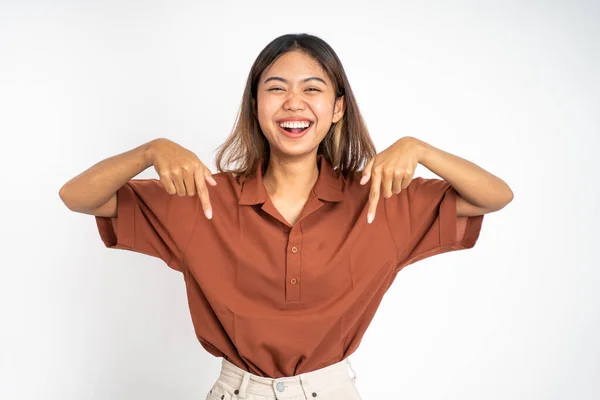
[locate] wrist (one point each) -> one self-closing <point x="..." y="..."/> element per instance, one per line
<point x="422" y="150"/>
<point x="148" y="153"/>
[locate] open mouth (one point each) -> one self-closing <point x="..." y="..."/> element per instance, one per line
<point x="296" y="129"/>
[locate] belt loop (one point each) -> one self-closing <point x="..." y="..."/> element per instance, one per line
<point x="351" y="369"/>
<point x="244" y="385"/>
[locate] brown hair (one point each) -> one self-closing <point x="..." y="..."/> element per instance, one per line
<point x="347" y="145"/>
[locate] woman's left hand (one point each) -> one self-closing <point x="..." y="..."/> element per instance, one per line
<point x="391" y="171"/>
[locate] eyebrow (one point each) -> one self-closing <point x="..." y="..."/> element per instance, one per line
<point x="311" y="78"/>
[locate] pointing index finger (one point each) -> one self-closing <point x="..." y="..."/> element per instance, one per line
<point x="374" y="195"/>
<point x="204" y="196"/>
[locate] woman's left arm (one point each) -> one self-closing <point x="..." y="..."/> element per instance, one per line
<point x="479" y="192"/>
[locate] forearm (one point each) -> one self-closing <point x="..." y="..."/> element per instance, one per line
<point x="95" y="186"/>
<point x="473" y="183"/>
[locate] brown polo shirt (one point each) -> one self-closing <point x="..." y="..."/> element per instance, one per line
<point x="279" y="300"/>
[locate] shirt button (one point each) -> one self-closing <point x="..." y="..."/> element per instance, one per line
<point x="293" y="281"/>
<point x="294" y="249"/>
<point x="280" y="386"/>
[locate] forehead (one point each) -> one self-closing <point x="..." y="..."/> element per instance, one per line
<point x="294" y="65"/>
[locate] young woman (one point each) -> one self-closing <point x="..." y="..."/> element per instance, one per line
<point x="288" y="250"/>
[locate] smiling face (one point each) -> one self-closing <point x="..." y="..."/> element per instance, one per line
<point x="295" y="92"/>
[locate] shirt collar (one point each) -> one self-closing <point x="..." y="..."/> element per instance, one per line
<point x="329" y="185"/>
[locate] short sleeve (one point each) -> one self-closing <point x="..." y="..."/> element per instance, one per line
<point x="151" y="221"/>
<point x="423" y="221"/>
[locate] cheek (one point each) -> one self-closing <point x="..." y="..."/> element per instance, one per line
<point x="265" y="110"/>
<point x="323" y="110"/>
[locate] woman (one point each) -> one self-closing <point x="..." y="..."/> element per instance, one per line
<point x="303" y="229"/>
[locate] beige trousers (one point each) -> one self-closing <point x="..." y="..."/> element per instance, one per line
<point x="336" y="381"/>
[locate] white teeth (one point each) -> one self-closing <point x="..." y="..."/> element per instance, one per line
<point x="295" y="124"/>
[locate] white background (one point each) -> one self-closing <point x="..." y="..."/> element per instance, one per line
<point x="512" y="87"/>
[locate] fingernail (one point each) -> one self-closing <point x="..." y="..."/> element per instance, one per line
<point x="208" y="214"/>
<point x="364" y="179"/>
<point x="370" y="217"/>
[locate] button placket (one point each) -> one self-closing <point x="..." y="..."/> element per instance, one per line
<point x="293" y="267"/>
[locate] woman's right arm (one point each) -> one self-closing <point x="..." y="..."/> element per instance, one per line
<point x="94" y="191"/>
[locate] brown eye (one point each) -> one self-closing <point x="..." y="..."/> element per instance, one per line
<point x="275" y="88"/>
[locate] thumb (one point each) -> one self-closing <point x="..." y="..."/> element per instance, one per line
<point x="366" y="175"/>
<point x="210" y="179"/>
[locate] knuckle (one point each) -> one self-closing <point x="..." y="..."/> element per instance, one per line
<point x="202" y="190"/>
<point x="191" y="166"/>
<point x="166" y="186"/>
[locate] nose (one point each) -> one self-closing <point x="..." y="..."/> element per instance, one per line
<point x="294" y="102"/>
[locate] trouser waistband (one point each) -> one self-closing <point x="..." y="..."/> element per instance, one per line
<point x="303" y="384"/>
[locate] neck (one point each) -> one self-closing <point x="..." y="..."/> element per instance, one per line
<point x="291" y="178"/>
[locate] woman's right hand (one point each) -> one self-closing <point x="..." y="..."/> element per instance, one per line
<point x="181" y="172"/>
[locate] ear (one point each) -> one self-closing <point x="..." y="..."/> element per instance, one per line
<point x="338" y="109"/>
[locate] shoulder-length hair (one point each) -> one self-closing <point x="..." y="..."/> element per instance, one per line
<point x="347" y="146"/>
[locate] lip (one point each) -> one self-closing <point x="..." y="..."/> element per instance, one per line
<point x="287" y="119"/>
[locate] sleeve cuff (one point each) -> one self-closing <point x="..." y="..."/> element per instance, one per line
<point x="448" y="225"/>
<point x="124" y="237"/>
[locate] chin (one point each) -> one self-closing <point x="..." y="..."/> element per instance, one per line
<point x="295" y="151"/>
<point x="295" y="148"/>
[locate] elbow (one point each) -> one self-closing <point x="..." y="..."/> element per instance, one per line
<point x="504" y="198"/>
<point x="65" y="197"/>
<point x="511" y="196"/>
<point x="499" y="200"/>
<point x="62" y="193"/>
<point x="508" y="196"/>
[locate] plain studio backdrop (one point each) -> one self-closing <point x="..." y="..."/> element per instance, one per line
<point x="512" y="87"/>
